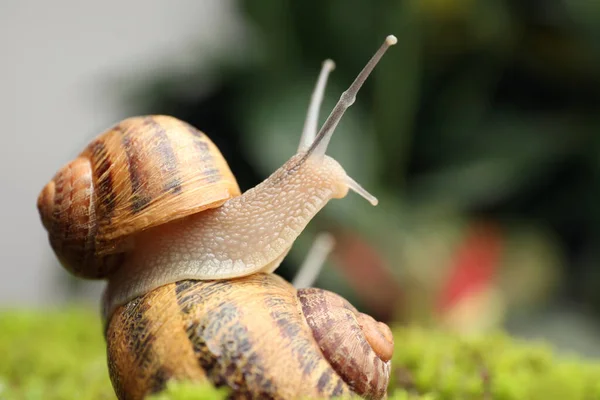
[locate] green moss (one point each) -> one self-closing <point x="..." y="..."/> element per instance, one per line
<point x="53" y="355"/>
<point x="61" y="355"/>
<point x="494" y="366"/>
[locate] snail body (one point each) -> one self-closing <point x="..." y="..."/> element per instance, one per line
<point x="152" y="207"/>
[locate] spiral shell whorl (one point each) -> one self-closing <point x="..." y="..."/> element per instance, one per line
<point x="67" y="207"/>
<point x="358" y="347"/>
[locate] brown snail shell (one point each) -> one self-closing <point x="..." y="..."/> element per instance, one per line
<point x="143" y="172"/>
<point x="256" y="335"/>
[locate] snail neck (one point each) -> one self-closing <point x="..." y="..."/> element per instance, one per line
<point x="248" y="234"/>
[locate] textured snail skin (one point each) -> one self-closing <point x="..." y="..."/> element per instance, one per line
<point x="249" y="334"/>
<point x="248" y="234"/>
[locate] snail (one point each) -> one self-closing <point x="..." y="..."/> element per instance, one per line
<point x="152" y="207"/>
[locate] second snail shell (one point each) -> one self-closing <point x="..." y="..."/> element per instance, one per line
<point x="257" y="335"/>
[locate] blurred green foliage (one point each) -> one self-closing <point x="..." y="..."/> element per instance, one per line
<point x="60" y="355"/>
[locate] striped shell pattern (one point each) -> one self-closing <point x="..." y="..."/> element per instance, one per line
<point x="143" y="172"/>
<point x="256" y="335"/>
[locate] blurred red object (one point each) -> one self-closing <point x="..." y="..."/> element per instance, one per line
<point x="475" y="266"/>
<point x="468" y="299"/>
<point x="465" y="276"/>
